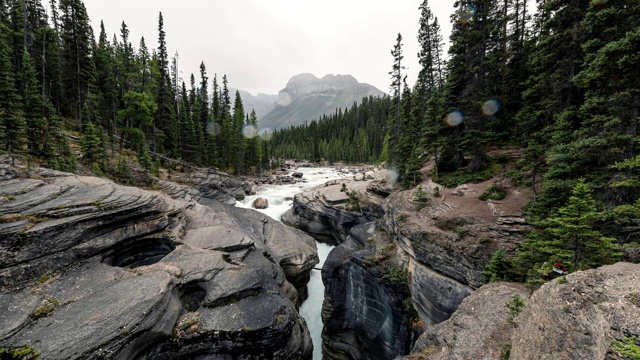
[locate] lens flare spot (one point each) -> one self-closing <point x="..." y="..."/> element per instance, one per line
<point x="266" y="134"/>
<point x="392" y="176"/>
<point x="284" y="99"/>
<point x="491" y="107"/>
<point x="466" y="13"/>
<point x="249" y="131"/>
<point x="454" y="119"/>
<point x="213" y="128"/>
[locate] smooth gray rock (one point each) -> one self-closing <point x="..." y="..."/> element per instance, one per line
<point x="90" y="269"/>
<point x="322" y="211"/>
<point x="214" y="184"/>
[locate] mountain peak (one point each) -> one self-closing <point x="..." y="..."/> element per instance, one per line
<point x="307" y="97"/>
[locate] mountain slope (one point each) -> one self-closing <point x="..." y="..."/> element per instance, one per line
<point x="307" y="98"/>
<point x="261" y="103"/>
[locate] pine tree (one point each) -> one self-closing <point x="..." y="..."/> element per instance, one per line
<point x="104" y="59"/>
<point x="92" y="144"/>
<point x="76" y="57"/>
<point x="237" y="139"/>
<point x="394" y="128"/>
<point x="569" y="237"/>
<point x="498" y="268"/>
<point x="428" y="88"/>
<point x="609" y="115"/>
<point x="226" y="126"/>
<point x="13" y="126"/>
<point x="252" y="158"/>
<point x="473" y="78"/>
<point x="31" y="104"/>
<point x="165" y="126"/>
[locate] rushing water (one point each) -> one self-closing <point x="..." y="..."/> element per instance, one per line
<point x="277" y="195"/>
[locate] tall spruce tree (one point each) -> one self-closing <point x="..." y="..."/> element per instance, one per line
<point x="77" y="64"/>
<point x="473" y="79"/>
<point x="165" y="126"/>
<point x="13" y="127"/>
<point x="237" y="145"/>
<point x="394" y="128"/>
<point x="608" y="131"/>
<point x="31" y="104"/>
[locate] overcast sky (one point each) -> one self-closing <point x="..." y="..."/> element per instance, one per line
<point x="260" y="44"/>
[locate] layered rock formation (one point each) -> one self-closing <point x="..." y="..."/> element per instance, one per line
<point x="363" y="316"/>
<point x="90" y="269"/>
<point x="327" y="213"/>
<point x="583" y="318"/>
<point x="446" y="244"/>
<point x="214" y="184"/>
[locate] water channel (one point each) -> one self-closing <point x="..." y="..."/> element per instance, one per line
<point x="280" y="200"/>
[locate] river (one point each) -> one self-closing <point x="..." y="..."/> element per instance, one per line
<point x="311" y="308"/>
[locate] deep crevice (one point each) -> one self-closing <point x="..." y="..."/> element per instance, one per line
<point x="138" y="252"/>
<point x="191" y="296"/>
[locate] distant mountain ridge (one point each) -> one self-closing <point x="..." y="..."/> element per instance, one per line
<point x="307" y="97"/>
<point x="261" y="103"/>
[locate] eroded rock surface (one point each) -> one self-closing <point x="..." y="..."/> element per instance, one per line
<point x="447" y="241"/>
<point x="90" y="269"/>
<point x="327" y="212"/>
<point x="478" y="330"/>
<point x="363" y="316"/>
<point x="582" y="318"/>
<point x="214" y="184"/>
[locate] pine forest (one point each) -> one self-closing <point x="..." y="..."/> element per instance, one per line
<point x="557" y="81"/>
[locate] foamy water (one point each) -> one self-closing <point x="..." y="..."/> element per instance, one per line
<point x="311" y="308"/>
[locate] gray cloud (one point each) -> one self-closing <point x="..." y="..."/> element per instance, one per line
<point x="260" y="44"/>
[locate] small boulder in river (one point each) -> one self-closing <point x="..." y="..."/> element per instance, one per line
<point x="260" y="203"/>
<point x="297" y="175"/>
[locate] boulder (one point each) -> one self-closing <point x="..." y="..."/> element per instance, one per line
<point x="214" y="184"/>
<point x="260" y="203"/>
<point x="583" y="317"/>
<point x="90" y="269"/>
<point x="297" y="175"/>
<point x="323" y="211"/>
<point x="477" y="330"/>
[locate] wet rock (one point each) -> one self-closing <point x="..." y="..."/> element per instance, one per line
<point x="297" y="175"/>
<point x="260" y="203"/>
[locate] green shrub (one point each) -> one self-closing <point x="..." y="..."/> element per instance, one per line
<point x="96" y="170"/>
<point x="497" y="268"/>
<point x="421" y="199"/>
<point x="19" y="353"/>
<point x="485" y="240"/>
<point x="514" y="306"/>
<point x="402" y="216"/>
<point x="495" y="192"/>
<point x="628" y="348"/>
